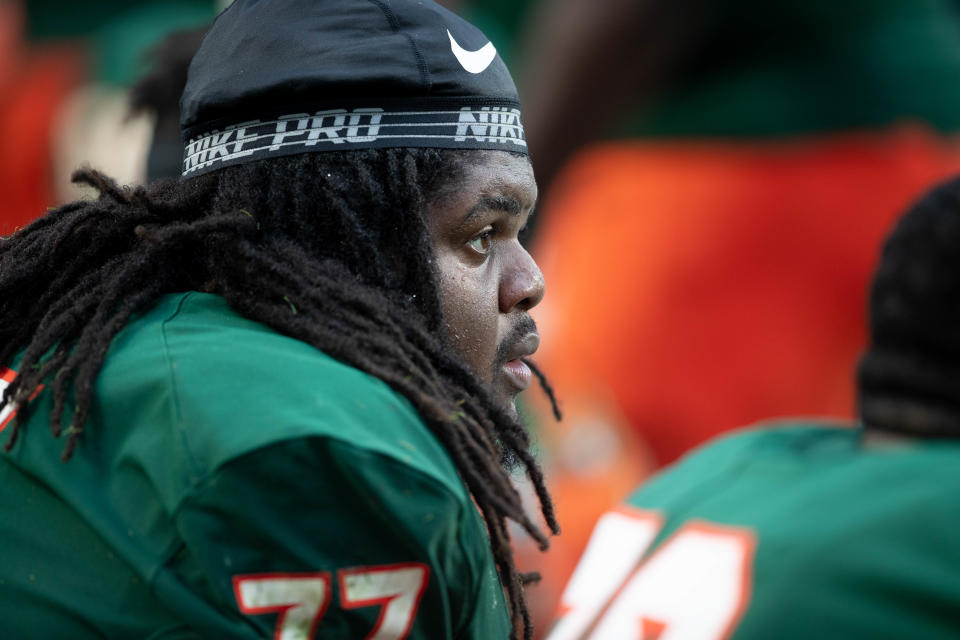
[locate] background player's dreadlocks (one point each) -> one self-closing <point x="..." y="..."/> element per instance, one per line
<point x="330" y="248"/>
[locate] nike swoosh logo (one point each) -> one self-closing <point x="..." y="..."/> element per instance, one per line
<point x="473" y="61"/>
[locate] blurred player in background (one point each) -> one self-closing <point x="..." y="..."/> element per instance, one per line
<point x="157" y="95"/>
<point x="808" y="530"/>
<point x="65" y="70"/>
<point x="707" y="261"/>
<point x="284" y="384"/>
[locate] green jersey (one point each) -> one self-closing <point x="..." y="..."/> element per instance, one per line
<point x="233" y="482"/>
<point x="796" y="532"/>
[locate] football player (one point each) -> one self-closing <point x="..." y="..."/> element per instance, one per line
<point x="283" y="384"/>
<point x="810" y="530"/>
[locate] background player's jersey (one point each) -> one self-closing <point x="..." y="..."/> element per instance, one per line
<point x="236" y="483"/>
<point x="797" y="532"/>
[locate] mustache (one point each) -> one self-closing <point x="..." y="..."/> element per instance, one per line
<point x="524" y="327"/>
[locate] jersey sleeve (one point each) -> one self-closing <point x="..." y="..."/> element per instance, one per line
<point x="314" y="537"/>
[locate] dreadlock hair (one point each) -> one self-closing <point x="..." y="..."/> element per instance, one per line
<point x="909" y="378"/>
<point x="329" y="248"/>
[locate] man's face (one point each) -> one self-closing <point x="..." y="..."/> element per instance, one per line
<point x="488" y="281"/>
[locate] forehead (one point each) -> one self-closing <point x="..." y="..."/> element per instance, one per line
<point x="489" y="175"/>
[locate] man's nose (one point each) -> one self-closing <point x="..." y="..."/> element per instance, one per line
<point x="522" y="284"/>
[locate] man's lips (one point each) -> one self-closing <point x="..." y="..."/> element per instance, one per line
<point x="516" y="371"/>
<point x="525" y="346"/>
<point x="518" y="374"/>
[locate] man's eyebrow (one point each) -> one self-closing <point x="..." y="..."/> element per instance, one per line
<point x="487" y="202"/>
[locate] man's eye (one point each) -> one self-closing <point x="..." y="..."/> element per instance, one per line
<point x="482" y="241"/>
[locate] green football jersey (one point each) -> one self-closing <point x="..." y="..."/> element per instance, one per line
<point x="795" y="532"/>
<point x="233" y="482"/>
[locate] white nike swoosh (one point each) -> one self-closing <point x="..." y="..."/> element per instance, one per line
<point x="473" y="61"/>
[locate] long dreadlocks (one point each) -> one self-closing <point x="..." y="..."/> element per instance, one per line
<point x="331" y="249"/>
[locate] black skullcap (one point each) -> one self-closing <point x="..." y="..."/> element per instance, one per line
<point x="909" y="378"/>
<point x="279" y="77"/>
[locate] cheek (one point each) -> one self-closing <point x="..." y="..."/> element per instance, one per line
<point x="471" y="315"/>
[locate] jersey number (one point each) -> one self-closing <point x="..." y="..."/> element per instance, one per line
<point x="8" y="411"/>
<point x="301" y="599"/>
<point x="694" y="586"/>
